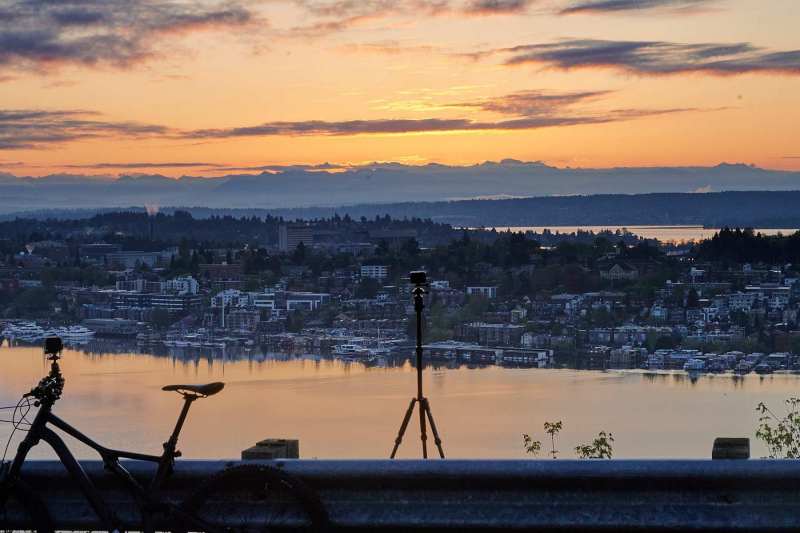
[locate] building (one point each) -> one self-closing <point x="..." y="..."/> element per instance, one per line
<point x="243" y="320"/>
<point x="128" y="260"/>
<point x="221" y="271"/>
<point x="231" y="298"/>
<point x="112" y="327"/>
<point x="291" y="235"/>
<point x="97" y="252"/>
<point x="620" y="271"/>
<point x="487" y="292"/>
<point x="490" y="334"/>
<point x="740" y="301"/>
<point x="139" y="285"/>
<point x="527" y="357"/>
<point x="182" y="285"/>
<point x="379" y="272"/>
<point x="306" y="301"/>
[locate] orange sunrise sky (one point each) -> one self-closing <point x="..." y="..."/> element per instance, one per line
<point x="204" y="87"/>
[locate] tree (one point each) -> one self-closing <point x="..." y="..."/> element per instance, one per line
<point x="161" y="318"/>
<point x="692" y="299"/>
<point x="295" y="322"/>
<point x="299" y="254"/>
<point x="368" y="288"/>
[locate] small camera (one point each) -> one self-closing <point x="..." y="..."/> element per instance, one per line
<point x="418" y="277"/>
<point x="53" y="345"/>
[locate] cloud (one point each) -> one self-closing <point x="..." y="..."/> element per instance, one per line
<point x="530" y="110"/>
<point x="339" y="15"/>
<point x="37" y="34"/>
<point x="389" y="47"/>
<point x="497" y="7"/>
<point x="653" y="58"/>
<point x="525" y="110"/>
<point x="36" y="129"/>
<point x="533" y="103"/>
<point x="138" y="165"/>
<point x="615" y="6"/>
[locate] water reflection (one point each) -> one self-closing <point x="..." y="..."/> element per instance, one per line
<point x="344" y="409"/>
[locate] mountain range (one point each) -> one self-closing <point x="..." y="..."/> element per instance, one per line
<point x="280" y="187"/>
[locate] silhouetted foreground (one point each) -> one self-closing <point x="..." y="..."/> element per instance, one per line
<point x="479" y="495"/>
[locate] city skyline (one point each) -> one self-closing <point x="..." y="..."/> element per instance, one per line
<point x="203" y="87"/>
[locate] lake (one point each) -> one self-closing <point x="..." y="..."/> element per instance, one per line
<point x="672" y="234"/>
<point x="341" y="410"/>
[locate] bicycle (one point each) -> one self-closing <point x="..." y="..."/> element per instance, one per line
<point x="154" y="510"/>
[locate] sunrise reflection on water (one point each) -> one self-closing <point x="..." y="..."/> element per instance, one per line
<point x="341" y="410"/>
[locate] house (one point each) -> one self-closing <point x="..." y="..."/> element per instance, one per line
<point x="620" y="271"/>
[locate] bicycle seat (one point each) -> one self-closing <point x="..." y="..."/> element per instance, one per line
<point x="202" y="391"/>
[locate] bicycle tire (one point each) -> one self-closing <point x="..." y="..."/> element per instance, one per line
<point x="261" y="481"/>
<point x="34" y="506"/>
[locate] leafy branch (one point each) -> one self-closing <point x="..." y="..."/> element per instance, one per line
<point x="780" y="434"/>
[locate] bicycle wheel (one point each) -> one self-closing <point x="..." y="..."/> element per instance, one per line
<point x="257" y="497"/>
<point x="22" y="509"/>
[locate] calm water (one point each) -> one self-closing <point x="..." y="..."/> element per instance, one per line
<point x="662" y="233"/>
<point x="342" y="410"/>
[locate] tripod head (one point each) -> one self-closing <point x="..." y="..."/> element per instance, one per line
<point x="420" y="280"/>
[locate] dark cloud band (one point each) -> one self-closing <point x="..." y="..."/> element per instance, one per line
<point x="36" y="129"/>
<point x="614" y="6"/>
<point x="526" y="110"/>
<point x="652" y="58"/>
<point x="36" y="34"/>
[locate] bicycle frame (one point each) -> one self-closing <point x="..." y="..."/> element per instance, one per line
<point x="39" y="431"/>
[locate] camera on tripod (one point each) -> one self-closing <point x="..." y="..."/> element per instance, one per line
<point x="418" y="277"/>
<point x="53" y="346"/>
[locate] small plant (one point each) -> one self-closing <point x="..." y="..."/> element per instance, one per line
<point x="532" y="447"/>
<point x="552" y="429"/>
<point x="780" y="434"/>
<point x="600" y="448"/>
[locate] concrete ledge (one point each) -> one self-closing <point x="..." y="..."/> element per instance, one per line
<point x="482" y="495"/>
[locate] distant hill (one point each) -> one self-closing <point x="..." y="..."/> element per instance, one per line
<point x="303" y="186"/>
<point x="759" y="209"/>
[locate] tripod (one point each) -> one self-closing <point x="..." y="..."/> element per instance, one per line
<point x="424" y="406"/>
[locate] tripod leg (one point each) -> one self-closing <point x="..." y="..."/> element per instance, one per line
<point x="427" y="407"/>
<point x="423" y="432"/>
<point x="403" y="427"/>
